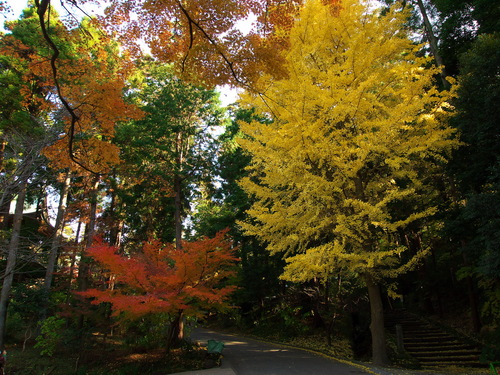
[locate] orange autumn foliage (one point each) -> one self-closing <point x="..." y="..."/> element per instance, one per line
<point x="163" y="279"/>
<point x="94" y="84"/>
<point x="199" y="37"/>
<point x="202" y="39"/>
<point x="91" y="77"/>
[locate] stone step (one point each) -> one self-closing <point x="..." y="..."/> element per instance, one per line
<point x="431" y="340"/>
<point x="430" y="346"/>
<point x="444" y="348"/>
<point x="420" y="330"/>
<point x="455" y="360"/>
<point x="465" y="355"/>
<point x="416" y="329"/>
<point x="426" y="335"/>
<point x="403" y="321"/>
<point x="441" y="364"/>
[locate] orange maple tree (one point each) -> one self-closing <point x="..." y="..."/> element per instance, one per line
<point x="83" y="73"/>
<point x="93" y="79"/>
<point x="161" y="279"/>
<point x="199" y="37"/>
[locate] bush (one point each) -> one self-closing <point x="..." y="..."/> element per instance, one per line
<point x="51" y="334"/>
<point x="149" y="332"/>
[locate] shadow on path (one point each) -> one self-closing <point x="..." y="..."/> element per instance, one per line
<point x="251" y="357"/>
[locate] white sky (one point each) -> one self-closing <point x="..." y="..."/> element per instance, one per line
<point x="17" y="7"/>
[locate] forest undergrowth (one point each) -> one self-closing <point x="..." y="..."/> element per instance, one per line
<point x="106" y="358"/>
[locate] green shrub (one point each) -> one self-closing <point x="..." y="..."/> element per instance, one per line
<point x="148" y="332"/>
<point x="51" y="334"/>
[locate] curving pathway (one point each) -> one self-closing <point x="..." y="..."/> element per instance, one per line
<point x="244" y="356"/>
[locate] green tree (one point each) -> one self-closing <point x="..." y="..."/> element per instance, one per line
<point x="461" y="22"/>
<point x="25" y="129"/>
<point x="359" y="130"/>
<point x="168" y="154"/>
<point x="476" y="167"/>
<point x="22" y="93"/>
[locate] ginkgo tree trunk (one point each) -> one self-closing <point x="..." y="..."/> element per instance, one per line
<point x="358" y="130"/>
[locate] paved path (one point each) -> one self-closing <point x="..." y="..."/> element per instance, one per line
<point x="244" y="356"/>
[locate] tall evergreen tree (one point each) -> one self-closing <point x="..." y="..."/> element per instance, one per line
<point x="167" y="155"/>
<point x="259" y="271"/>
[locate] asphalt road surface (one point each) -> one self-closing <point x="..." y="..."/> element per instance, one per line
<point x="251" y="357"/>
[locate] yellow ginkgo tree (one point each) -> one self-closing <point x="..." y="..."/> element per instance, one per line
<point x="358" y="130"/>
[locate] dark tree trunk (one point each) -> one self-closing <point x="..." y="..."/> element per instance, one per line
<point x="474" y="308"/>
<point x="4" y="209"/>
<point x="74" y="252"/>
<point x="433" y="43"/>
<point x="3" y="143"/>
<point x="179" y="160"/>
<point x="471" y="291"/>
<point x="178" y="212"/>
<point x="116" y="230"/>
<point x="377" y="329"/>
<point x="6" y="197"/>
<point x="176" y="331"/>
<point x="84" y="265"/>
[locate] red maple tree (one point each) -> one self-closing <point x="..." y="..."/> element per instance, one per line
<point x="161" y="279"/>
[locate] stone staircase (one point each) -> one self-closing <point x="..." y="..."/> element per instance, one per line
<point x="429" y="345"/>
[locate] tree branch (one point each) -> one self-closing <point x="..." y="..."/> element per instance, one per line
<point x="42" y="7"/>
<point x="212" y="41"/>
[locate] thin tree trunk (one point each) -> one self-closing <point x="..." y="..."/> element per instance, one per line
<point x="84" y="265"/>
<point x="116" y="237"/>
<point x="116" y="230"/>
<point x="475" y="316"/>
<point x="75" y="247"/>
<point x="11" y="260"/>
<point x="5" y="204"/>
<point x="88" y="238"/>
<point x="178" y="213"/>
<point x="471" y="291"/>
<point x="176" y="330"/>
<point x="330" y="316"/>
<point x="178" y="191"/>
<point x="433" y="42"/>
<point x="3" y="143"/>
<point x="379" y="349"/>
<point x="56" y="242"/>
